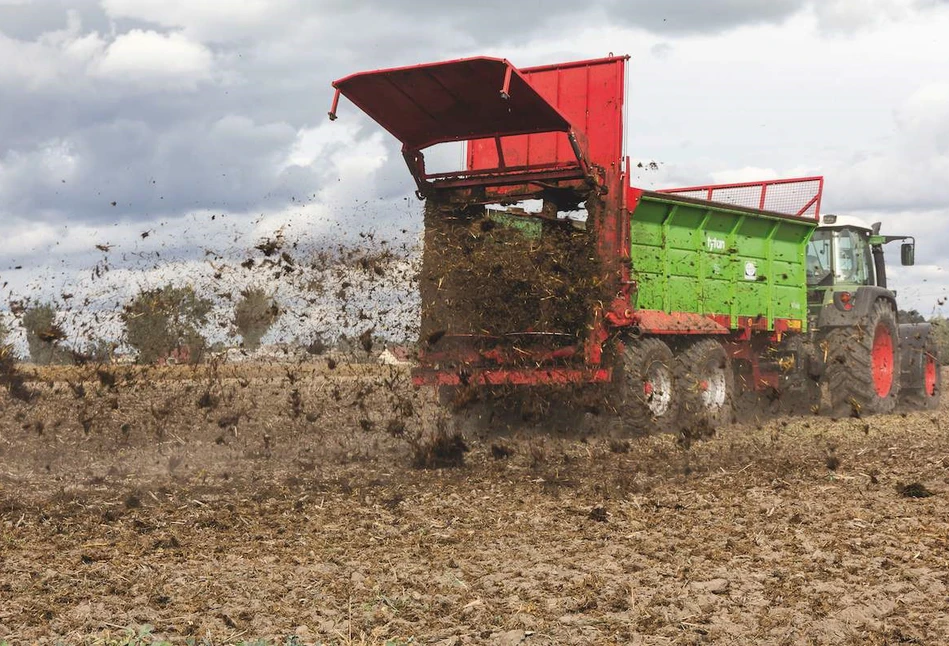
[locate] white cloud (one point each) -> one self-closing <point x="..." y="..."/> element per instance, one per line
<point x="58" y="59"/>
<point x="846" y="15"/>
<point x="208" y="20"/>
<point x="924" y="117"/>
<point x="910" y="172"/>
<point x="746" y="174"/>
<point x="146" y="57"/>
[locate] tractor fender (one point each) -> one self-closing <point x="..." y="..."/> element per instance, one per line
<point x="863" y="299"/>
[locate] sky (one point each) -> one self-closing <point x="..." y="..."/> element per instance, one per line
<point x="175" y="132"/>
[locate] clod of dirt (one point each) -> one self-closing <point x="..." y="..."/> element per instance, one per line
<point x="316" y="347"/>
<point x="598" y="514"/>
<point x="270" y="246"/>
<point x="914" y="490"/>
<point x="229" y="420"/>
<point x="715" y="586"/>
<point x="510" y="638"/>
<point x="295" y="400"/>
<point x="208" y="400"/>
<point x="392" y="503"/>
<point x="444" y="450"/>
<point x="111" y="515"/>
<point x="365" y="340"/>
<point x="132" y="501"/>
<point x="170" y="542"/>
<point x="11" y="379"/>
<point x="395" y="428"/>
<point x="619" y="446"/>
<point x="501" y="452"/>
<point x="833" y="462"/>
<point x="106" y="378"/>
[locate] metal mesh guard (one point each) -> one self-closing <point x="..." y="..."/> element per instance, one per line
<point x="799" y="196"/>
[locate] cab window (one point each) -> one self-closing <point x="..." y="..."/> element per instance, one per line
<point x="852" y="258"/>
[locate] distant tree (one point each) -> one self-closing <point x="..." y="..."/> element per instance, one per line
<point x="97" y="350"/>
<point x="254" y="314"/>
<point x="911" y="316"/>
<point x="43" y="335"/>
<point x="165" y="321"/>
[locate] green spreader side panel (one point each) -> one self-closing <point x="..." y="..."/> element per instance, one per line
<point x="709" y="258"/>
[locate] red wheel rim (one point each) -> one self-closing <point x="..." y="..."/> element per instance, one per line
<point x="882" y="360"/>
<point x="930" y="375"/>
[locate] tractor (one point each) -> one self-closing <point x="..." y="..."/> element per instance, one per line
<point x="871" y="362"/>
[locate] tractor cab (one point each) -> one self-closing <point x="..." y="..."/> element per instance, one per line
<point x="844" y="255"/>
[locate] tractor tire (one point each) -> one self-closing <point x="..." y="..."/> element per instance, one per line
<point x="706" y="382"/>
<point x="927" y="396"/>
<point x="647" y="399"/>
<point x="863" y="365"/>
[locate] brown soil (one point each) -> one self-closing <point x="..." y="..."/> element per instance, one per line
<point x="264" y="503"/>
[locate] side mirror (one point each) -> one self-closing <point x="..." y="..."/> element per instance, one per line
<point x="908" y="254"/>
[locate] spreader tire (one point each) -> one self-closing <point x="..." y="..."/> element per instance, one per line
<point x="647" y="401"/>
<point x="706" y="384"/>
<point x="863" y="364"/>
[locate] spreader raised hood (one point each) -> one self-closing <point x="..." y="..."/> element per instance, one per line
<point x="526" y="130"/>
<point x="471" y="98"/>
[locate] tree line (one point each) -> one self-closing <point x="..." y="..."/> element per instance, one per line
<point x="159" y="324"/>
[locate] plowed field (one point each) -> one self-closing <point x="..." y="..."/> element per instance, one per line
<point x="269" y="501"/>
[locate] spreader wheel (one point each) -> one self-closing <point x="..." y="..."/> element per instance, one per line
<point x="647" y="400"/>
<point x="863" y="364"/>
<point x="707" y="386"/>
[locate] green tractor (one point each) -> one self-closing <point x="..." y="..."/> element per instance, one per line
<point x="870" y="361"/>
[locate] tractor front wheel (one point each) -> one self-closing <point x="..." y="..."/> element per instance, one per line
<point x="863" y="364"/>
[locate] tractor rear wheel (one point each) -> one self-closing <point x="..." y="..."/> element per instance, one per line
<point x="647" y="400"/>
<point x="929" y="380"/>
<point x="863" y="364"/>
<point x="707" y="385"/>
